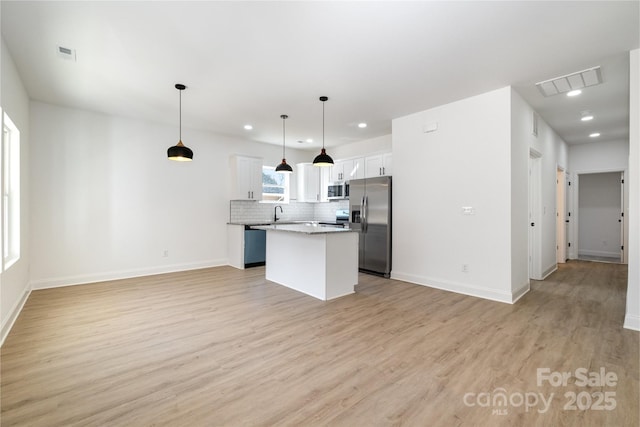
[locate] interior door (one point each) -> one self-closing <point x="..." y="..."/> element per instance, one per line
<point x="561" y="245"/>
<point x="567" y="213"/>
<point x="534" y="198"/>
<point x="621" y="218"/>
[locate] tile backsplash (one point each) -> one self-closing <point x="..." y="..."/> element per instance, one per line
<point x="251" y="211"/>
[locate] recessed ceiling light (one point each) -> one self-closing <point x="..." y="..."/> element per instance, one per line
<point x="248" y="127"/>
<point x="587" y="117"/>
<point x="594" y="135"/>
<point x="574" y="92"/>
<point x="309" y="140"/>
<point x="362" y="125"/>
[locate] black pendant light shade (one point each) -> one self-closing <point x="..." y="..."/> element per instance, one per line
<point x="180" y="152"/>
<point x="323" y="159"/>
<point x="283" y="167"/>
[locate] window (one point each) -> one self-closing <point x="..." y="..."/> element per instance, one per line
<point x="10" y="192"/>
<point x="275" y="185"/>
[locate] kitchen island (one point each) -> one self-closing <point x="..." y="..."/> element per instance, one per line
<point x="318" y="260"/>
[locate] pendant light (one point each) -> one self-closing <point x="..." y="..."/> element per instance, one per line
<point x="323" y="159"/>
<point x="179" y="152"/>
<point x="283" y="167"/>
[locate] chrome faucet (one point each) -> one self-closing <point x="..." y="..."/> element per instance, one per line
<point x="275" y="213"/>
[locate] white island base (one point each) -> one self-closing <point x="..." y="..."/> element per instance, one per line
<point x="323" y="265"/>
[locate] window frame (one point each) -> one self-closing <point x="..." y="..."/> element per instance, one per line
<point x="10" y="183"/>
<point x="268" y="197"/>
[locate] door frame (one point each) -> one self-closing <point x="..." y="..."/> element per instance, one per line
<point x="535" y="199"/>
<point x="575" y="201"/>
<point x="561" y="216"/>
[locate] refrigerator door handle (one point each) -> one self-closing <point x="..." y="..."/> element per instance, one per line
<point x="365" y="212"/>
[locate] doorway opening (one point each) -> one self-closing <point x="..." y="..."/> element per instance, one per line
<point x="601" y="217"/>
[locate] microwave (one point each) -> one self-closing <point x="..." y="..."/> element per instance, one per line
<point x="338" y="190"/>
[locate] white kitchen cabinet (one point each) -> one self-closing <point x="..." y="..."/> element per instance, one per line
<point x="345" y="170"/>
<point x="246" y="178"/>
<point x="378" y="165"/>
<point x="312" y="182"/>
<point x="387" y="164"/>
<point x="336" y="171"/>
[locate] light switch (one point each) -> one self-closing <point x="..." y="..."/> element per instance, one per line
<point x="468" y="210"/>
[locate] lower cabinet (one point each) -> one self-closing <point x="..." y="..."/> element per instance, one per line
<point x="245" y="247"/>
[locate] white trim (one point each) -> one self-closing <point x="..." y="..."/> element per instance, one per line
<point x="632" y="322"/>
<point x="7" y="324"/>
<point x="594" y="171"/>
<point x="599" y="253"/>
<point x="549" y="271"/>
<point x="58" y="282"/>
<point x="460" y="288"/>
<point x="519" y="293"/>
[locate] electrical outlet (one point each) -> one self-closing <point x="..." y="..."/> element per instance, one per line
<point x="165" y="253"/>
<point x="465" y="268"/>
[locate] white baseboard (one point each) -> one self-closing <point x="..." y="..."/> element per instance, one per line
<point x="549" y="271"/>
<point x="520" y="292"/>
<point x="632" y="321"/>
<point x="7" y="323"/>
<point x="460" y="288"/>
<point x="607" y="254"/>
<point x="123" y="274"/>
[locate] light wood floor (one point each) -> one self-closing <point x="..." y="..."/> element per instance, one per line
<point x="223" y="347"/>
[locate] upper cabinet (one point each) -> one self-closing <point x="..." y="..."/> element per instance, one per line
<point x="345" y="170"/>
<point x="312" y="182"/>
<point x="246" y="178"/>
<point x="378" y="165"/>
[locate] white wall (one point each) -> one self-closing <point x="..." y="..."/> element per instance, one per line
<point x="14" y="283"/>
<point x="632" y="317"/>
<point x="107" y="202"/>
<point x="600" y="206"/>
<point x="553" y="153"/>
<point x="607" y="156"/>
<point x="361" y="148"/>
<point x="465" y="163"/>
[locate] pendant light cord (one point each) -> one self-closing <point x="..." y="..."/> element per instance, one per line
<point x="323" y="125"/>
<point x="180" y="133"/>
<point x="283" y="137"/>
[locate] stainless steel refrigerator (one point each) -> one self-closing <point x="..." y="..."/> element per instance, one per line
<point x="370" y="214"/>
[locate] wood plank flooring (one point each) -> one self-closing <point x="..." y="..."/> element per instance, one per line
<point x="224" y="347"/>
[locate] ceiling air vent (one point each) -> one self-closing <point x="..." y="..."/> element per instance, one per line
<point x="66" y="53"/>
<point x="579" y="80"/>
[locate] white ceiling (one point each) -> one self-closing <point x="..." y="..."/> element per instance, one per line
<point x="250" y="62"/>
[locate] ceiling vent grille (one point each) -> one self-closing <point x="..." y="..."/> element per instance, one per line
<point x="573" y="81"/>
